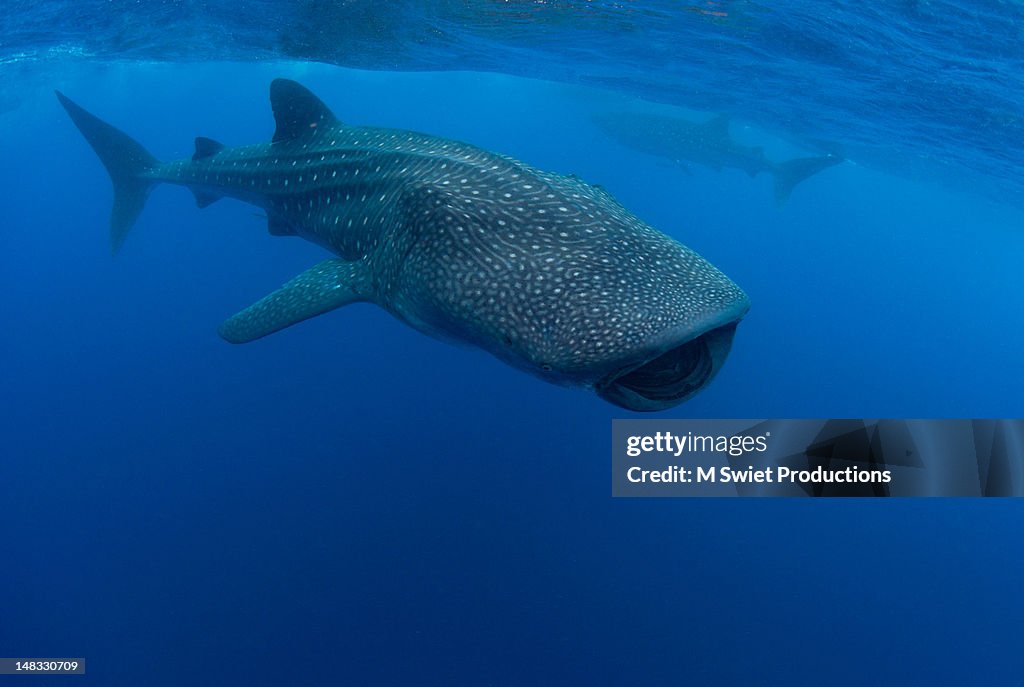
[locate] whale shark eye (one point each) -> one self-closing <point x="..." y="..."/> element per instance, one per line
<point x="546" y="367"/>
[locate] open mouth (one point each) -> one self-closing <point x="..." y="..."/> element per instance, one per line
<point x="673" y="376"/>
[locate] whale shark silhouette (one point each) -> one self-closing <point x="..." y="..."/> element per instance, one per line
<point x="708" y="144"/>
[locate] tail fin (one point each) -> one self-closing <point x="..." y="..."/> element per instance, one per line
<point x="125" y="160"/>
<point x="789" y="174"/>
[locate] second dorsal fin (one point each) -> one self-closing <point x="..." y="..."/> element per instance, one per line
<point x="206" y="147"/>
<point x="297" y="112"/>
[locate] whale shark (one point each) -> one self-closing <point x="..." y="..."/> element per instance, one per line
<point x="708" y="144"/>
<point x="547" y="272"/>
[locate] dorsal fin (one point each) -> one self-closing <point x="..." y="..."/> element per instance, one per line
<point x="297" y="111"/>
<point x="206" y="147"/>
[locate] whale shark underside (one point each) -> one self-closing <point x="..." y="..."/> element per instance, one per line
<point x="545" y="271"/>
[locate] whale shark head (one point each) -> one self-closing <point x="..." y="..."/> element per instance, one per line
<point x="660" y="366"/>
<point x="645" y="339"/>
<point x="555" y="277"/>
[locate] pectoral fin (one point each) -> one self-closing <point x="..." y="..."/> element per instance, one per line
<point x="323" y="287"/>
<point x="279" y="227"/>
<point x="205" y="198"/>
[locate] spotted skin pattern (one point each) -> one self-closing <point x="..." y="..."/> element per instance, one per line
<point x="545" y="271"/>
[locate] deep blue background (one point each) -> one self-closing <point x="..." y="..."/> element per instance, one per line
<point x="350" y="502"/>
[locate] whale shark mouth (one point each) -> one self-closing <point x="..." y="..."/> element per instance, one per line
<point x="673" y="376"/>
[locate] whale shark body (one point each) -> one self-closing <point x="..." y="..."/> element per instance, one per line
<point x="546" y="272"/>
<point x="708" y="144"/>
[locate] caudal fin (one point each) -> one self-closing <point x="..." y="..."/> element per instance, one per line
<point x="125" y="160"/>
<point x="789" y="174"/>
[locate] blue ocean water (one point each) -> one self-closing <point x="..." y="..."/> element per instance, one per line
<point x="350" y="502"/>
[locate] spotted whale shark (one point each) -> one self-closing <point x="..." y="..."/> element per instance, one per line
<point x="708" y="144"/>
<point x="545" y="271"/>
